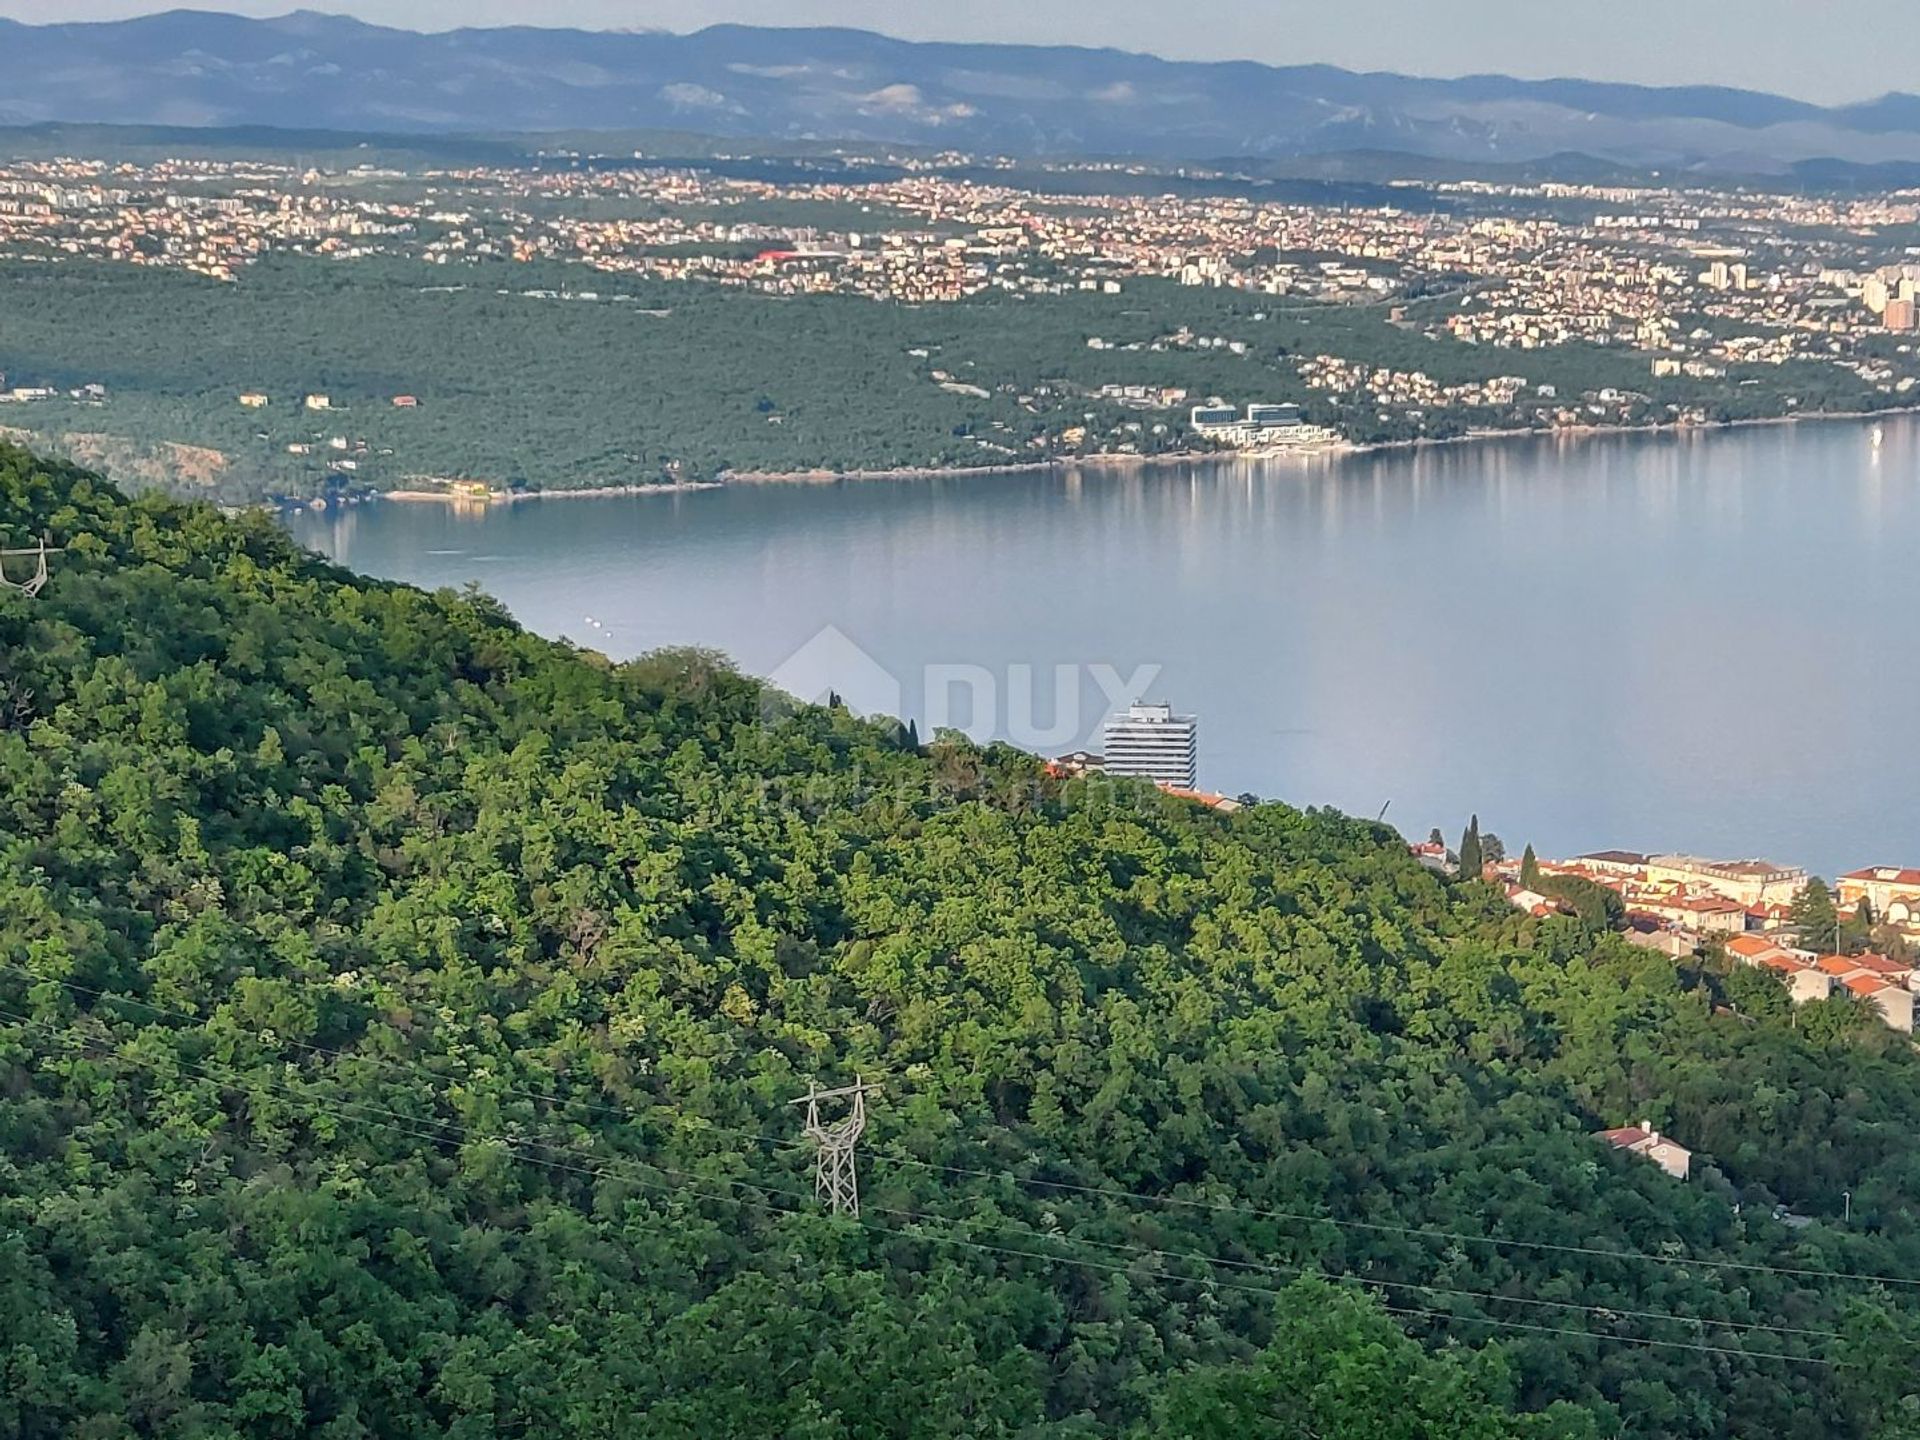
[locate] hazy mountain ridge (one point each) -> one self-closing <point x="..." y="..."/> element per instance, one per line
<point x="320" y="71"/>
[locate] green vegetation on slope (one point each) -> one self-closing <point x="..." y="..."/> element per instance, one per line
<point x="398" y="1015"/>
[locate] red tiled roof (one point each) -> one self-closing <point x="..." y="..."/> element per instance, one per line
<point x="1865" y="984"/>
<point x="1202" y="797"/>
<point x="1701" y="904"/>
<point x="1881" y="965"/>
<point x="1885" y="875"/>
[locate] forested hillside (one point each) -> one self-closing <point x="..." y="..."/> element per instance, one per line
<point x="399" y="1015"/>
<point x="650" y="381"/>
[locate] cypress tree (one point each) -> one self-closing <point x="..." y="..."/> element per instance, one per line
<point x="1530" y="869"/>
<point x="1472" y="859"/>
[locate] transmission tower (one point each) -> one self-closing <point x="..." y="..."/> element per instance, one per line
<point x="835" y="1184"/>
<point x="35" y="583"/>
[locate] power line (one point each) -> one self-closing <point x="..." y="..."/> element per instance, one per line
<point x="450" y="1131"/>
<point x="456" y="1129"/>
<point x="359" y="1057"/>
<point x="1461" y="1237"/>
<point x="242" y="1079"/>
<point x="1065" y="1186"/>
<point x="1303" y="1271"/>
<point x="1444" y="1316"/>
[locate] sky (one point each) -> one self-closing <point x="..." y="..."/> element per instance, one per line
<point x="1824" y="50"/>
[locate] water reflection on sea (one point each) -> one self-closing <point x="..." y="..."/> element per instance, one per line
<point x="1702" y="641"/>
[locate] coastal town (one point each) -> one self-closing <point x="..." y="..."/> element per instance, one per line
<point x="1855" y="944"/>
<point x="1763" y="279"/>
<point x="1858" y="939"/>
<point x="1450" y="307"/>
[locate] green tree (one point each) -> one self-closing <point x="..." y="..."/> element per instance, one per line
<point x="1814" y="918"/>
<point x="400" y="1014"/>
<point x="1333" y="1370"/>
<point x="1472" y="855"/>
<point x="1595" y="904"/>
<point x="1856" y="933"/>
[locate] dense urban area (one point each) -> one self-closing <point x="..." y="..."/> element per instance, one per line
<point x="329" y="328"/>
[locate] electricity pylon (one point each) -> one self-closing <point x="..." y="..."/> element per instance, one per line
<point x="835" y="1184"/>
<point x="37" y="582"/>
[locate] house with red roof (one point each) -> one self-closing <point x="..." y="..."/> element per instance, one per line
<point x="1532" y="901"/>
<point x="1225" y="804"/>
<point x="1891" y="970"/>
<point x="1702" y="914"/>
<point x="1893" y="893"/>
<point x="1880" y="982"/>
<point x="1752" y="949"/>
<point x="1895" y="1003"/>
<point x="1645" y="1141"/>
<point x="1805" y="982"/>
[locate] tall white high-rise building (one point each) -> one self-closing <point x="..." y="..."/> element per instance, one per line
<point x="1152" y="743"/>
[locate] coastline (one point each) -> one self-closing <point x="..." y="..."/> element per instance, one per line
<point x="1542" y="467"/>
<point x="732" y="478"/>
<point x="1658" y="427"/>
<point x="516" y="497"/>
<point x="1124" y="462"/>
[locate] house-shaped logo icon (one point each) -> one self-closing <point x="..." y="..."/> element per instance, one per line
<point x="831" y="664"/>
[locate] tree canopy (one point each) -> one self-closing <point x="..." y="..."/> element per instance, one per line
<point x="399" y="1015"/>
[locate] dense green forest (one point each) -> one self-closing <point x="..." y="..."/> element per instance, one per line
<point x="399" y="1015"/>
<point x="658" y="381"/>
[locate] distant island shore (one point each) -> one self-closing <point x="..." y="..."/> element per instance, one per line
<point x="481" y="494"/>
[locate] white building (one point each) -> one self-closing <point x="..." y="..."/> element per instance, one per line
<point x="1751" y="882"/>
<point x="1263" y="424"/>
<point x="1150" y="742"/>
<point x="1892" y="891"/>
<point x="1644" y="1140"/>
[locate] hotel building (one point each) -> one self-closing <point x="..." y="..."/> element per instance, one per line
<point x="1150" y="742"/>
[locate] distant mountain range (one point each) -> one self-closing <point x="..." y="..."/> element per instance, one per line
<point x="307" y="70"/>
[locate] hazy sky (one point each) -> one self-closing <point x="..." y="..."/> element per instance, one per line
<point x="1820" y="49"/>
